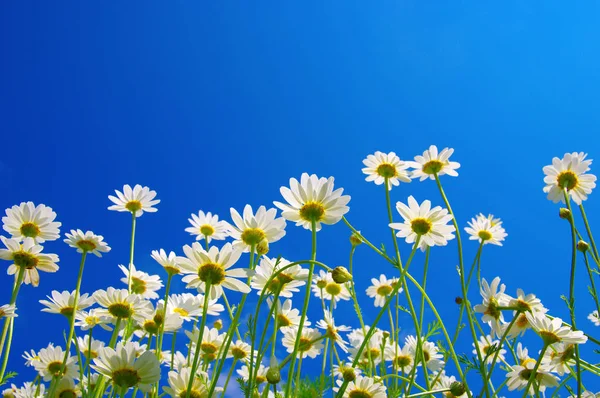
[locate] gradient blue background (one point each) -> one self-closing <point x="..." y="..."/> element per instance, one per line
<point x="216" y="106"/>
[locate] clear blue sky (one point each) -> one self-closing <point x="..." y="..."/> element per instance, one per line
<point x="216" y="106"/>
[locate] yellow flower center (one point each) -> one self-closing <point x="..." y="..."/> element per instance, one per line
<point x="567" y="179"/>
<point x="522" y="321"/>
<point x="360" y="393"/>
<point x="312" y="211"/>
<point x="133" y="206"/>
<point x="126" y="378"/>
<point x="193" y="394"/>
<point x="90" y="354"/>
<point x="67" y="311"/>
<point x="403" y="361"/>
<point x="67" y="394"/>
<point x="151" y="327"/>
<point x="26" y="260"/>
<point x="120" y="310"/>
<point x="283" y="321"/>
<point x="212" y="273"/>
<point x="86" y="245"/>
<point x="333" y="288"/>
<point x="181" y="311"/>
<point x="2" y="313"/>
<point x="384" y="290"/>
<point x="207" y="230"/>
<point x="387" y="170"/>
<point x="484" y="235"/>
<point x="420" y="226"/>
<point x="492" y="309"/>
<point x="549" y="337"/>
<point x="209" y="348"/>
<point x="238" y="353"/>
<point x="29" y="230"/>
<point x="433" y="167"/>
<point x="91" y="320"/>
<point x="138" y="286"/>
<point x="253" y="236"/>
<point x="55" y="368"/>
<point x="305" y="344"/>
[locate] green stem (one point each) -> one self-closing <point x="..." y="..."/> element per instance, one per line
<point x="72" y="317"/>
<point x="131" y="249"/>
<point x="199" y="341"/>
<point x="228" y="377"/>
<point x="534" y="371"/>
<point x="589" y="230"/>
<point x="231" y="315"/>
<point x="9" y="323"/>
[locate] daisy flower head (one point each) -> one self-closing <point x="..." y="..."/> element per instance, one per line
<point x="136" y="200"/>
<point x="126" y="369"/>
<point x="569" y="173"/>
<point x="8" y="311"/>
<point x="179" y="381"/>
<point x="332" y="331"/>
<point x="64" y="303"/>
<point x="552" y="330"/>
<point x="87" y="242"/>
<point x="493" y="297"/>
<point x="403" y="359"/>
<point x="450" y="382"/>
<point x="286" y="316"/>
<point x="364" y="387"/>
<point x="30" y="390"/>
<point x="345" y="371"/>
<point x="381" y="166"/>
<point x="433" y="358"/>
<point x="169" y="261"/>
<point x="29" y="256"/>
<point x="313" y="199"/>
<point x="142" y="283"/>
<point x="213" y="267"/>
<point x="169" y="322"/>
<point x="207" y="226"/>
<point x="433" y="163"/>
<point x="310" y="344"/>
<point x="89" y="348"/>
<point x="429" y="225"/>
<point x="286" y="282"/>
<point x="90" y="319"/>
<point x="324" y="287"/>
<point x="261" y="373"/>
<point x="251" y="229"/>
<point x="49" y="363"/>
<point x="211" y="343"/>
<point x="484" y="230"/>
<point x="488" y="347"/>
<point x="381" y="289"/>
<point x="239" y="350"/>
<point x="66" y="388"/>
<point x="560" y="358"/>
<point x="372" y="351"/>
<point x="119" y="304"/>
<point x="519" y="376"/>
<point x="30" y="221"/>
<point x="594" y="317"/>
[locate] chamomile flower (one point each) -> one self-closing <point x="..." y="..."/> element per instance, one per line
<point x="169" y="262"/>
<point x="212" y="341"/>
<point x="286" y="316"/>
<point x="445" y="382"/>
<point x="364" y="387"/>
<point x="433" y="358"/>
<point x="569" y="173"/>
<point x="186" y="305"/>
<point x="251" y="229"/>
<point x="559" y="358"/>
<point x="286" y="282"/>
<point x="326" y="288"/>
<point x="87" y="242"/>
<point x="432" y="163"/>
<point x="386" y="165"/>
<point x="261" y="374"/>
<point x="552" y="330"/>
<point x="9" y="392"/>
<point x="66" y="388"/>
<point x="485" y="344"/>
<point x="119" y="304"/>
<point x="49" y="363"/>
<point x="125" y="369"/>
<point x="313" y="200"/>
<point x="493" y="297"/>
<point x="594" y="317"/>
<point x="155" y="321"/>
<point x="31" y="356"/>
<point x="31" y="390"/>
<point x="136" y="200"/>
<point x="403" y="359"/>
<point x="428" y="224"/>
<point x="213" y="266"/>
<point x="526" y="303"/>
<point x="30" y="221"/>
<point x="29" y="256"/>
<point x="381" y="289"/>
<point x="345" y="371"/>
<point x="310" y="344"/>
<point x="332" y="330"/>
<point x="179" y="381"/>
<point x="89" y="349"/>
<point x="239" y="350"/>
<point x="484" y="230"/>
<point x="64" y="303"/>
<point x="207" y="226"/>
<point x="519" y="376"/>
<point x="90" y="319"/>
<point x="8" y="311"/>
<point x="142" y="283"/>
<point x="372" y="352"/>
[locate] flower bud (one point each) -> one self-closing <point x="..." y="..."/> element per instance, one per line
<point x="564" y="213"/>
<point x="355" y="240"/>
<point x="263" y="247"/>
<point x="218" y="324"/>
<point x="321" y="284"/>
<point x="457" y="389"/>
<point x="273" y="375"/>
<point x="348" y="374"/>
<point x="341" y="275"/>
<point x="582" y="246"/>
<point x="458" y="300"/>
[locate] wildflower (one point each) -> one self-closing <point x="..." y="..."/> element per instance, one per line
<point x="136" y="200"/>
<point x="330" y="290"/>
<point x="493" y="297"/>
<point x="364" y="387"/>
<point x="31" y="390"/>
<point x="484" y="230"/>
<point x="552" y="330"/>
<point x="261" y="373"/>
<point x="87" y="242"/>
<point x="345" y="371"/>
<point x="169" y="262"/>
<point x="594" y="317"/>
<point x="64" y="303"/>
<point x="252" y="229"/>
<point x="49" y="363"/>
<point x="29" y="256"/>
<point x="211" y="342"/>
<point x="382" y="166"/>
<point x="239" y="350"/>
<point x="432" y="163"/>
<point x="189" y="306"/>
<point x="179" y="381"/>
<point x="569" y="173"/>
<point x="30" y="221"/>
<point x="403" y="359"/>
<point x="119" y="304"/>
<point x="66" y="388"/>
<point x="310" y="344"/>
<point x="94" y="317"/>
<point x="433" y="359"/>
<point x="486" y="343"/>
<point x="519" y="376"/>
<point x="207" y="226"/>
<point x="332" y="331"/>
<point x="89" y="349"/>
<point x="559" y="358"/>
<point x="8" y="311"/>
<point x="372" y="351"/>
<point x="286" y="282"/>
<point x="381" y="289"/>
<point x="286" y="316"/>
<point x="142" y="283"/>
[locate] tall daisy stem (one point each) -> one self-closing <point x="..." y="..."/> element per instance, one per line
<point x="534" y="371"/>
<point x="199" y="341"/>
<point x="72" y="317"/>
<point x="589" y="230"/>
<point x="8" y="323"/>
<point x="131" y="249"/>
<point x="228" y="377"/>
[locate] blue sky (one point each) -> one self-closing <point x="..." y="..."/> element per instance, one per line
<point x="216" y="106"/>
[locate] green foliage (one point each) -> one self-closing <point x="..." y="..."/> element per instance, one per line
<point x="7" y="377"/>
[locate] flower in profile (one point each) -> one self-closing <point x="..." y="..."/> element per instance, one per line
<point x="332" y="331"/>
<point x="286" y="282"/>
<point x="594" y="317"/>
<point x="136" y="200"/>
<point x="552" y="330"/>
<point x="261" y="373"/>
<point x="66" y="388"/>
<point x="142" y="283"/>
<point x="211" y="343"/>
<point x="119" y="304"/>
<point x="31" y="390"/>
<point x="345" y="371"/>
<point x="64" y="303"/>
<point x="310" y="344"/>
<point x="324" y="287"/>
<point x="569" y="173"/>
<point x="27" y="255"/>
<point x="190" y="307"/>
<point x="213" y="266"/>
<point x="486" y="230"/>
<point x="89" y="349"/>
<point x="251" y="229"/>
<point x="381" y="289"/>
<point x="382" y="166"/>
<point x="313" y="200"/>
<point x="372" y="352"/>
<point x="493" y="297"/>
<point x="488" y="348"/>
<point x="286" y="316"/>
<point x="90" y="319"/>
<point x="207" y="226"/>
<point x="433" y="163"/>
<point x="30" y="221"/>
<point x="364" y="387"/>
<point x="428" y="224"/>
<point x="8" y="311"/>
<point x="49" y="363"/>
<point x="525" y="303"/>
<point x="178" y="384"/>
<point x="87" y="242"/>
<point x="126" y="369"/>
<point x="559" y="358"/>
<point x="403" y="359"/>
<point x="239" y="350"/>
<point x="519" y="376"/>
<point x="169" y="262"/>
<point x="155" y="320"/>
<point x="433" y="358"/>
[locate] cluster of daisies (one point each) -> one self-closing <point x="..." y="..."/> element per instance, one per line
<point x="140" y="337"/>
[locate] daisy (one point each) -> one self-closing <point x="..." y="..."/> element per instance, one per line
<point x="30" y="221"/>
<point x="239" y="350"/>
<point x="31" y="390"/>
<point x="28" y="256"/>
<point x="66" y="388"/>
<point x="212" y="341"/>
<point x="433" y="359"/>
<point x="569" y="173"/>
<point x="90" y="319"/>
<point x="483" y="230"/>
<point x="186" y="305"/>
<point x="345" y="371"/>
<point x="519" y="376"/>
<point x="526" y="303"/>
<point x="310" y="344"/>
<point x="87" y="242"/>
<point x="430" y="225"/>
<point x="261" y="374"/>
<point x="9" y="392"/>
<point x="332" y="331"/>
<point x="324" y="287"/>
<point x="252" y="229"/>
<point x="448" y="382"/>
<point x="485" y="344"/>
<point x="433" y="163"/>
<point x="213" y="266"/>
<point x="49" y="363"/>
<point x="382" y="166"/>
<point x="136" y="200"/>
<point x="179" y="381"/>
<point x="372" y="351"/>
<point x="381" y="289"/>
<point x="31" y="356"/>
<point x="364" y="387"/>
<point x="63" y="303"/>
<point x="559" y="358"/>
<point x="142" y="283"/>
<point x="122" y="305"/>
<point x="594" y="317"/>
<point x="8" y="311"/>
<point x="125" y="369"/>
<point x="403" y="359"/>
<point x="169" y="262"/>
<point x="207" y="226"/>
<point x="313" y="200"/>
<point x="155" y="320"/>
<point x="286" y="282"/>
<point x="89" y="350"/>
<point x="287" y="316"/>
<point x="493" y="297"/>
<point x="552" y="330"/>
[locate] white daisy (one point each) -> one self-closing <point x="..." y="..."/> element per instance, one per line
<point x="313" y="199"/>
<point x="8" y="311"/>
<point x="519" y="376"/>
<point x="49" y="363"/>
<point x="87" y="242"/>
<point x="31" y="356"/>
<point x="169" y="262"/>
<point x="485" y="344"/>
<point x="87" y="349"/>
<point x="239" y="350"/>
<point x="94" y="317"/>
<point x="155" y="320"/>
<point x="136" y="200"/>
<point x="552" y="330"/>
<point x="286" y="315"/>
<point x="325" y="287"/>
<point x="432" y="163"/>
<point x="403" y="359"/>
<point x="594" y="317"/>
<point x="31" y="390"/>
<point x="372" y="351"/>
<point x="526" y="303"/>
<point x="381" y="289"/>
<point x="310" y="344"/>
<point x="122" y="305"/>
<point x="251" y="229"/>
<point x="212" y="341"/>
<point x="483" y="229"/>
<point x="386" y="165"/>
<point x="261" y="374"/>
<point x="64" y="303"/>
<point x="345" y="371"/>
<point x="569" y="173"/>
<point x="445" y="382"/>
<point x="431" y="225"/>
<point x="493" y="297"/>
<point x="364" y="387"/>
<point x="66" y="388"/>
<point x="142" y="283"/>
<point x="179" y="381"/>
<point x="559" y="358"/>
<point x="30" y="221"/>
<point x="286" y="282"/>
<point x="29" y="256"/>
<point x="332" y="330"/>
<point x="207" y="226"/>
<point x="433" y="358"/>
